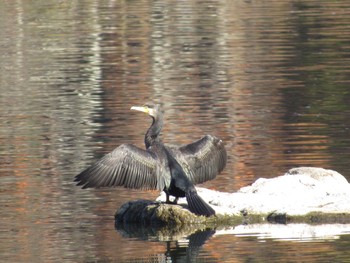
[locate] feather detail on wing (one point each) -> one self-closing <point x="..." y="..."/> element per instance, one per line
<point x="201" y="160"/>
<point x="127" y="166"/>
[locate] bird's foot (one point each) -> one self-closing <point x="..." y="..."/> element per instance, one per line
<point x="172" y="202"/>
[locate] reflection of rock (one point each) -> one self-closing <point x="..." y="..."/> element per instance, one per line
<point x="297" y="195"/>
<point x="294" y="232"/>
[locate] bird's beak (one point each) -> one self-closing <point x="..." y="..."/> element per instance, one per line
<point x="140" y="108"/>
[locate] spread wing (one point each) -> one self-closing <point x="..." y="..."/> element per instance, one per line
<point x="127" y="166"/>
<point x="201" y="160"/>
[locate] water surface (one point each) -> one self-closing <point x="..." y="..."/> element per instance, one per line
<point x="269" y="78"/>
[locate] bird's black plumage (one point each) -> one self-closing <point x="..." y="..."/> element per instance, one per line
<point x="172" y="169"/>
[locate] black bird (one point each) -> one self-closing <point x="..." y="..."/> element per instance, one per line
<point x="174" y="170"/>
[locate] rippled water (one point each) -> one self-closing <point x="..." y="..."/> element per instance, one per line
<point x="271" y="78"/>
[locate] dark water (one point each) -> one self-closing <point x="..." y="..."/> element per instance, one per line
<point x="271" y="78"/>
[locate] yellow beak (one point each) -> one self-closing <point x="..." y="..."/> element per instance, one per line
<point x="140" y="108"/>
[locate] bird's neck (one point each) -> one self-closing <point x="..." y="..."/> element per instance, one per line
<point x="152" y="135"/>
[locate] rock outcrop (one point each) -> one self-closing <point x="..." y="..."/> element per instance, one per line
<point x="303" y="194"/>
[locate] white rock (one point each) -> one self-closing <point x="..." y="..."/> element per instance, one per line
<point x="298" y="192"/>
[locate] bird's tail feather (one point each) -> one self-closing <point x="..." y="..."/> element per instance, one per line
<point x="197" y="205"/>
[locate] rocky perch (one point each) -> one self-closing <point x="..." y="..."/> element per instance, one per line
<point x="302" y="195"/>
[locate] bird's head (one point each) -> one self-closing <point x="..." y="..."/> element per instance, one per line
<point x="151" y="109"/>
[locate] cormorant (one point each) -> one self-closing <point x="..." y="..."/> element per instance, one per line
<point x="174" y="170"/>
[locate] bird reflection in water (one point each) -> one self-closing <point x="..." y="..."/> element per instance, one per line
<point x="188" y="252"/>
<point x="174" y="170"/>
<point x="182" y="250"/>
